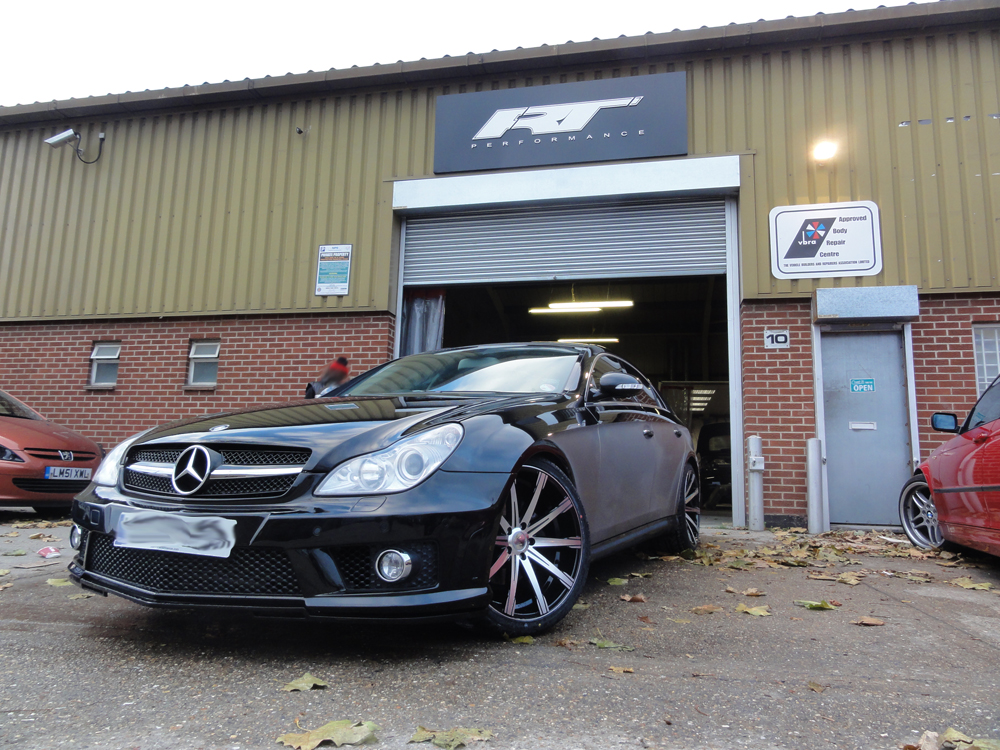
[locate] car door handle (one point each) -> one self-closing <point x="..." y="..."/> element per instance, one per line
<point x="678" y="433"/>
<point x="647" y="433"/>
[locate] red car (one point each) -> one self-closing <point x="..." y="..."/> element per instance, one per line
<point x="955" y="497"/>
<point x="41" y="464"/>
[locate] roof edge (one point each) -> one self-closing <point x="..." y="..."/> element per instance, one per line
<point x="732" y="37"/>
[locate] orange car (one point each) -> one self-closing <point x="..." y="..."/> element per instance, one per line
<point x="41" y="464"/>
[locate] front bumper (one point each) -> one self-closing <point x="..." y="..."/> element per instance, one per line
<point x="313" y="556"/>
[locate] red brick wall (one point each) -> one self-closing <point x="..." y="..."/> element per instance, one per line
<point x="263" y="359"/>
<point x="778" y="399"/>
<point x="944" y="358"/>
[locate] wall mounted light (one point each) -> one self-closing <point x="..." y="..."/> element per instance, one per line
<point x="68" y="136"/>
<point x="824" y="151"/>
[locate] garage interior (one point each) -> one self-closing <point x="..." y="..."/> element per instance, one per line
<point x="675" y="331"/>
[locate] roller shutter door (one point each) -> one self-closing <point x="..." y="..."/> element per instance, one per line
<point x="567" y="242"/>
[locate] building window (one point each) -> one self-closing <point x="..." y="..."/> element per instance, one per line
<point x="203" y="363"/>
<point x="986" y="342"/>
<point x="104" y="363"/>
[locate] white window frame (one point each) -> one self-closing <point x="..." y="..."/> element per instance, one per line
<point x="986" y="353"/>
<point x="195" y="356"/>
<point x="102" y="353"/>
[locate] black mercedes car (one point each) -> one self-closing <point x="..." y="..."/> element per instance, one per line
<point x="472" y="483"/>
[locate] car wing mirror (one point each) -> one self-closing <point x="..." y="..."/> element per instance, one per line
<point x="619" y="385"/>
<point x="944" y="422"/>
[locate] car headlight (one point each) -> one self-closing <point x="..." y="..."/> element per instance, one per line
<point x="107" y="473"/>
<point x="399" y="467"/>
<point x="6" y="454"/>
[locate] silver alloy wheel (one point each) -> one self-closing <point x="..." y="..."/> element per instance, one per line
<point x="918" y="514"/>
<point x="540" y="549"/>
<point x="692" y="507"/>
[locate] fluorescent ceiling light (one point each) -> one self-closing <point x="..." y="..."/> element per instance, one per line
<point x="540" y="310"/>
<point x="703" y="393"/>
<point x="594" y="303"/>
<point x="588" y="341"/>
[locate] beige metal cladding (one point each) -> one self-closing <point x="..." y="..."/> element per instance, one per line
<point x="220" y="210"/>
<point x="216" y="211"/>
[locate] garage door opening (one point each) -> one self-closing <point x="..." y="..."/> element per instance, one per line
<point x="674" y="329"/>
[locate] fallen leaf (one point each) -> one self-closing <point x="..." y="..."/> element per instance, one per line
<point x="567" y="643"/>
<point x="84" y="595"/>
<point x="527" y="640"/>
<point x="706" y="609"/>
<point x="679" y="621"/>
<point x="753" y="592"/>
<point x="944" y="564"/>
<point x="835" y="603"/>
<point x="646" y="619"/>
<point x="640" y="575"/>
<point x="816" y="687"/>
<point x="451" y="738"/>
<point x="762" y="611"/>
<point x="967" y="583"/>
<point x="346" y="732"/>
<point x="868" y="621"/>
<point x="954" y="737"/>
<point x="611" y="645"/>
<point x="581" y="605"/>
<point x="4" y="572"/>
<point x="731" y="590"/>
<point x="850" y="578"/>
<point x="621" y="670"/>
<point x="305" y="682"/>
<point x="5" y="586"/>
<point x="813" y="605"/>
<point x="44" y="537"/>
<point x="12" y="533"/>
<point x="617" y="581"/>
<point x="634" y="598"/>
<point x="15" y="553"/>
<point x="59" y="582"/>
<point x="927" y="741"/>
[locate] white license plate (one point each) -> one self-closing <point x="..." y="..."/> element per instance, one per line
<point x="66" y="472"/>
<point x="209" y="536"/>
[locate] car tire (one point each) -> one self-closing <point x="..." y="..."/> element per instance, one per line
<point x="918" y="515"/>
<point x="542" y="552"/>
<point x="687" y="531"/>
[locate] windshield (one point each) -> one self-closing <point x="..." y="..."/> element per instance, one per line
<point x="506" y="370"/>
<point x="11" y="407"/>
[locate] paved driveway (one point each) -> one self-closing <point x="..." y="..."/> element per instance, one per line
<point x="104" y="673"/>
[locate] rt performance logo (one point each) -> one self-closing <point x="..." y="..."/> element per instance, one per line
<point x="810" y="238"/>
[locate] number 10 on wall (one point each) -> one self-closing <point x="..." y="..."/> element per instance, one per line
<point x="775" y="338"/>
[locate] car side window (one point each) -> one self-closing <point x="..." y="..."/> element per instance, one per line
<point x="986" y="410"/>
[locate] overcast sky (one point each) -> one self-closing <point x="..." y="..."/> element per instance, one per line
<point x="60" y="49"/>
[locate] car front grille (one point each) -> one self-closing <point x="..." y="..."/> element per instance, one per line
<point x="50" y="454"/>
<point x="252" y="487"/>
<point x="162" y="458"/>
<point x="356" y="565"/>
<point x="231" y="456"/>
<point x="254" y="571"/>
<point x="52" y="486"/>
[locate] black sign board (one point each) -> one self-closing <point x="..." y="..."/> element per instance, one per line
<point x="618" y="118"/>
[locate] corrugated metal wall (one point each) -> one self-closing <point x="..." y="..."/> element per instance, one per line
<point x="221" y="211"/>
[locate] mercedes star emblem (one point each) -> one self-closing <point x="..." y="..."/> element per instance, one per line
<point x="218" y="428"/>
<point x="191" y="470"/>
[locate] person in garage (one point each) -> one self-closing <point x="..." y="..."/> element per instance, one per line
<point x="336" y="373"/>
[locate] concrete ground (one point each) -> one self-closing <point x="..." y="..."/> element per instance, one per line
<point x="104" y="673"/>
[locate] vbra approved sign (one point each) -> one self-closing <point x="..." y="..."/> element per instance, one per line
<point x="825" y="240"/>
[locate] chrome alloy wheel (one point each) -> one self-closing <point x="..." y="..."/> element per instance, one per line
<point x="918" y="514"/>
<point x="692" y="507"/>
<point x="542" y="551"/>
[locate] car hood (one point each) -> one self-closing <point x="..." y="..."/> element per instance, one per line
<point x="334" y="429"/>
<point x="20" y="433"/>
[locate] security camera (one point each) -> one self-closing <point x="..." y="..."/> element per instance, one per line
<point x="62" y="138"/>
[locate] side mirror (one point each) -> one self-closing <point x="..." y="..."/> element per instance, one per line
<point x="944" y="422"/>
<point x="619" y="385"/>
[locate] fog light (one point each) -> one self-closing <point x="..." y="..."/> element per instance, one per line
<point x="75" y="537"/>
<point x="393" y="566"/>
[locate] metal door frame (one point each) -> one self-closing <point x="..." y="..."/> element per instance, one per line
<point x="717" y="176"/>
<point x="906" y="329"/>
